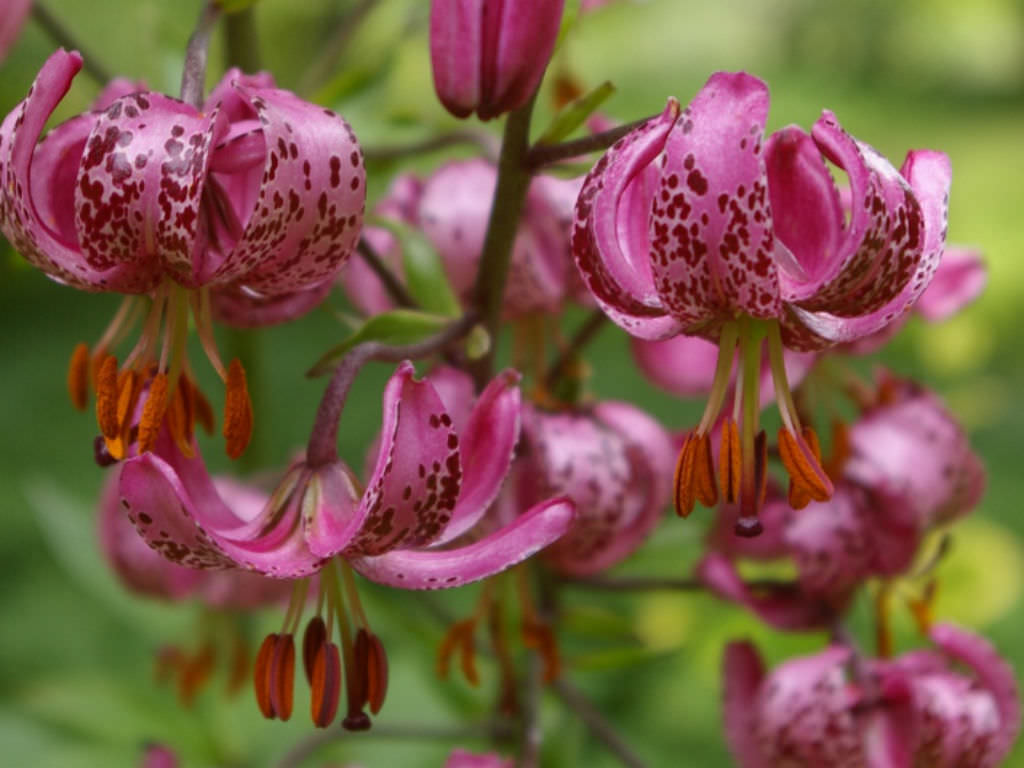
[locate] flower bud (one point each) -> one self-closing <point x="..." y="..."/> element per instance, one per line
<point x="488" y="56"/>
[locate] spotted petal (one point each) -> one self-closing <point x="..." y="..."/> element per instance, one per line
<point x="610" y="242"/>
<point x="308" y="209"/>
<point x="35" y="221"/>
<point x="712" y="246"/>
<point x="439" y="568"/>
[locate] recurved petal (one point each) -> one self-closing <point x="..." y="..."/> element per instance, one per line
<point x="486" y="448"/>
<point x="742" y="672"/>
<point x="177" y="509"/>
<point x="994" y="674"/>
<point x="226" y="96"/>
<point x="959" y="280"/>
<point x="806" y="212"/>
<point x="437" y="569"/>
<point x="140" y="185"/>
<point x="418" y="473"/>
<point x="35" y="220"/>
<point x="456" y="43"/>
<point x="245" y="308"/>
<point x="309" y="203"/>
<point x="610" y="241"/>
<point x="712" y="248"/>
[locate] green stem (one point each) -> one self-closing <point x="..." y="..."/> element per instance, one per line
<point x="241" y="41"/>
<point x="509" y="197"/>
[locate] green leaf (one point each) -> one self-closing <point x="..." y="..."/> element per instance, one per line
<point x="573" y="115"/>
<point x="424" y="271"/>
<point x="399" y="326"/>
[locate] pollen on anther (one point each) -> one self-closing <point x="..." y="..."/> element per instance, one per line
<point x="106" y="397"/>
<point x="237" y="411"/>
<point x="153" y="412"/>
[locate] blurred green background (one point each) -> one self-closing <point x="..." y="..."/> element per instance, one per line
<point x="76" y="653"/>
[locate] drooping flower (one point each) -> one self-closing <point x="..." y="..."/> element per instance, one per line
<point x="695" y="224"/>
<point x="246" y="208"/>
<point x="430" y="483"/>
<point x="828" y="710"/>
<point x="488" y="56"/>
<point x="451" y="207"/>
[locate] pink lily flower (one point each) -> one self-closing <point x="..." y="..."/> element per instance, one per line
<point x="914" y="710"/>
<point x="614" y="462"/>
<point x="488" y="56"/>
<point x="12" y="17"/>
<point x="430" y="483"/>
<point x="696" y="224"/>
<point x="247" y="207"/>
<point x="452" y="207"/>
<point x="159" y="756"/>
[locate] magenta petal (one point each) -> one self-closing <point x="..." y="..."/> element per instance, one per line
<point x="994" y="674"/>
<point x="244" y="308"/>
<point x="486" y="450"/>
<point x="11" y="21"/>
<point x="331" y="510"/>
<point x="308" y="208"/>
<point x="712" y="247"/>
<point x="226" y="96"/>
<point x="456" y="47"/>
<point x="806" y="211"/>
<point x="742" y="672"/>
<point x="140" y="185"/>
<point x="45" y="243"/>
<point x="418" y="473"/>
<point x="830" y="544"/>
<point x="682" y="365"/>
<point x="959" y="280"/>
<point x="436" y="569"/>
<point x="610" y="241"/>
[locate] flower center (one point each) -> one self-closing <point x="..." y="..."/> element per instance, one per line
<point x="361" y="655"/>
<point x="742" y="465"/>
<point x="154" y="386"/>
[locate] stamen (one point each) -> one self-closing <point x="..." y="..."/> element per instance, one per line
<point x="313" y="639"/>
<point x="358" y="685"/>
<point x="261" y="675"/>
<point x="194" y="673"/>
<point x="459" y="635"/>
<point x="729" y="461"/>
<point x="204" y="329"/>
<point x="178" y="418"/>
<point x="201" y="410"/>
<point x="704" y="472"/>
<point x="803" y="464"/>
<point x="376" y="671"/>
<point x="841" y="450"/>
<point x="748" y="525"/>
<point x="78" y="376"/>
<point x="237" y="411"/>
<point x="325" y="682"/>
<point x="106" y="397"/>
<point x="282" y="676"/>
<point x="538" y="636"/>
<point x="684" y="483"/>
<point x="153" y="413"/>
<point x="752" y="445"/>
<point x="922" y="609"/>
<point x="100" y="453"/>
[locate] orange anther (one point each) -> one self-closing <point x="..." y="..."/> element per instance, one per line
<point x="683" y="481"/>
<point x="729" y="462"/>
<point x="106" y="397"/>
<point x="840" y="450"/>
<point x="153" y="412"/>
<point x="460" y="635"/>
<point x="78" y="377"/>
<point x="325" y="684"/>
<point x="540" y="637"/>
<point x="804" y="466"/>
<point x="704" y="472"/>
<point x="261" y="675"/>
<point x="376" y="674"/>
<point x="237" y="411"/>
<point x="921" y="608"/>
<point x="194" y="674"/>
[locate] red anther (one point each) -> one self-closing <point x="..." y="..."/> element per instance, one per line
<point x="730" y="470"/>
<point x="261" y="675"/>
<point x="282" y="675"/>
<point x="314" y="637"/>
<point x="325" y="682"/>
<point x="377" y="674"/>
<point x="359" y="684"/>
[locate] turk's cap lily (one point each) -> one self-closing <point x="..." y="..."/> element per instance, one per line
<point x="258" y="190"/>
<point x="913" y="710"/>
<point x="429" y="484"/>
<point x="728" y="221"/>
<point x="614" y="462"/>
<point x="489" y="56"/>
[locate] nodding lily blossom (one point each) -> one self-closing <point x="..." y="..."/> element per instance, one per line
<point x="12" y="17"/>
<point x="832" y="710"/>
<point x="614" y="462"/>
<point x="697" y="224"/>
<point x="452" y="207"/>
<point x="488" y="56"/>
<point x="430" y="483"/>
<point x="460" y="758"/>
<point x="247" y="208"/>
